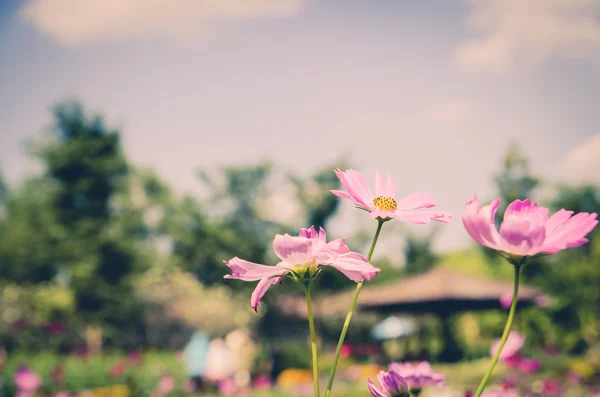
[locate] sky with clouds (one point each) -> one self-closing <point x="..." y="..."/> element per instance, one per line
<point x="431" y="91"/>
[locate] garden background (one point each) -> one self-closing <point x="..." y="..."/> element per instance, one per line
<point x="141" y="146"/>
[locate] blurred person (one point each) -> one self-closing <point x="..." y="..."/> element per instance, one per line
<point x="220" y="362"/>
<point x="194" y="357"/>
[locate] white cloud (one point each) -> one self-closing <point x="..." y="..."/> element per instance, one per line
<point x="582" y="163"/>
<point x="525" y="32"/>
<point x="79" y="22"/>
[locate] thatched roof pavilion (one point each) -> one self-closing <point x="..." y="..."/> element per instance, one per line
<point x="437" y="291"/>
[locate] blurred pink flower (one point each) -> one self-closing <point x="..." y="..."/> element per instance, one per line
<point x="346" y="351"/>
<point x="118" y="369"/>
<point x="390" y="385"/>
<point x="165" y="385"/>
<point x="228" y="387"/>
<point x="529" y="366"/>
<point x="134" y="357"/>
<point x="262" y="382"/>
<point x="573" y="377"/>
<point x="301" y="254"/>
<point x="526" y="229"/>
<point x="506" y="299"/>
<point x="514" y="343"/>
<point x="383" y="203"/>
<point x="418" y="375"/>
<point x="26" y="380"/>
<point x="551" y="387"/>
<point x="62" y="394"/>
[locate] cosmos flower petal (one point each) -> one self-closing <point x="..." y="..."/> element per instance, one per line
<point x="416" y="201"/>
<point x="293" y="249"/>
<point x="354" y="266"/>
<point x="260" y="290"/>
<point x="356" y="186"/>
<point x="250" y="271"/>
<point x="422" y="217"/>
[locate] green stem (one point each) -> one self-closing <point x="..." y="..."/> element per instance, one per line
<point x="349" y="316"/>
<point x="313" y="340"/>
<point x="509" y="321"/>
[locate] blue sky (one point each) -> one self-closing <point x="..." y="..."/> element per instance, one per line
<point x="433" y="92"/>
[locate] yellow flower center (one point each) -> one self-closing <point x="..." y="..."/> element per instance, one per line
<point x="387" y="204"/>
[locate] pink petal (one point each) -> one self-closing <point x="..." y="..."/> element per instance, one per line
<point x="568" y="233"/>
<point x="422" y="217"/>
<point x="518" y="236"/>
<point x="479" y="222"/>
<point x="260" y="290"/>
<point x="354" y="266"/>
<point x="416" y="201"/>
<point x="357" y="187"/>
<point x="308" y="233"/>
<point x="380" y="187"/>
<point x="294" y="250"/>
<point x="514" y="343"/>
<point x="335" y="247"/>
<point x="390" y="186"/>
<point x="249" y="271"/>
<point x="375" y="392"/>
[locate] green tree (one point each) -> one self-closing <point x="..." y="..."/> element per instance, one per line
<point x="29" y="234"/>
<point x="419" y="253"/>
<point x="87" y="168"/>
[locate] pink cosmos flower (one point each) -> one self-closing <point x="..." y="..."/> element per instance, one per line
<point x="26" y="380"/>
<point x="300" y="255"/>
<point x="513" y="345"/>
<point x="526" y="229"/>
<point x="165" y="385"/>
<point x="383" y="203"/>
<point x="418" y="375"/>
<point x="391" y="385"/>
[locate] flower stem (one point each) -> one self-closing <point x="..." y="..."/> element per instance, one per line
<point x="349" y="316"/>
<point x="509" y="321"/>
<point x="313" y="340"/>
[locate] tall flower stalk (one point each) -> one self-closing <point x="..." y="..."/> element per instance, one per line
<point x="313" y="339"/>
<point x="350" y="313"/>
<point x="507" y="327"/>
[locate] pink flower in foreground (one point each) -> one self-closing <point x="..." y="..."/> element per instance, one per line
<point x="383" y="203"/>
<point x="26" y="380"/>
<point x="418" y="375"/>
<point x="301" y="255"/>
<point x="513" y="345"/>
<point x="390" y="385"/>
<point x="526" y="229"/>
